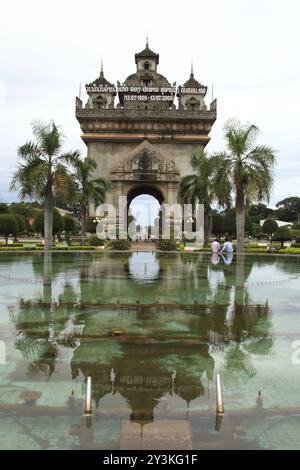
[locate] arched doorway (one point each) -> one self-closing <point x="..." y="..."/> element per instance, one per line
<point x="143" y="209"/>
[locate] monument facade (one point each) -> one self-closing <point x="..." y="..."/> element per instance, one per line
<point x="143" y="131"/>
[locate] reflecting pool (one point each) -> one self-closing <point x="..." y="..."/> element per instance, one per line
<point x="151" y="330"/>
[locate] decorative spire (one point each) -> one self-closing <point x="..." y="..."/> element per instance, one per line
<point x="192" y="70"/>
<point x="147" y="42"/>
<point x="101" y="70"/>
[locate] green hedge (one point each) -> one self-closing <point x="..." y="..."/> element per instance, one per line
<point x="119" y="245"/>
<point x="68" y="248"/>
<point x="260" y="249"/>
<point x="251" y="245"/>
<point x="16" y="248"/>
<point x="74" y="247"/>
<point x="290" y="251"/>
<point x="166" y="245"/>
<point x="93" y="240"/>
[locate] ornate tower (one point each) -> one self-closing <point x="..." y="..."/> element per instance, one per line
<point x="101" y="93"/>
<point x="191" y="94"/>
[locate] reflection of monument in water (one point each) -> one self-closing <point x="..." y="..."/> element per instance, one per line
<point x="144" y="363"/>
<point x="144" y="370"/>
<point x="143" y="267"/>
<point x="157" y="340"/>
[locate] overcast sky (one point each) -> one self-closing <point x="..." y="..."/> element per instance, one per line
<point x="248" y="49"/>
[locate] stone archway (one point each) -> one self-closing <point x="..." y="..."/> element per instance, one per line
<point x="150" y="189"/>
<point x="156" y="194"/>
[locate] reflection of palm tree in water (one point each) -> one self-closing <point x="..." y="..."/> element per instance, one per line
<point x="237" y="319"/>
<point x="42" y="322"/>
<point x="243" y="324"/>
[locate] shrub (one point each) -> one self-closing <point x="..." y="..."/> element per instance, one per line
<point x="270" y="226"/>
<point x="21" y="208"/>
<point x="91" y="225"/>
<point x="256" y="250"/>
<point x="75" y="248"/>
<point x="95" y="241"/>
<point x="69" y="226"/>
<point x="283" y="234"/>
<point x="261" y="236"/>
<point x="180" y="245"/>
<point x="3" y="208"/>
<point x="119" y="245"/>
<point x="38" y="222"/>
<point x="21" y="223"/>
<point x="166" y="245"/>
<point x="69" y="223"/>
<point x="295" y="245"/>
<point x="290" y="251"/>
<point x="39" y="247"/>
<point x="8" y="226"/>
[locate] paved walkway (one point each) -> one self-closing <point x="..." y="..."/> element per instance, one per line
<point x="143" y="246"/>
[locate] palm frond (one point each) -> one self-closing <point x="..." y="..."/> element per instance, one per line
<point x="100" y="186"/>
<point x="29" y="151"/>
<point x="240" y="138"/>
<point x="48" y="136"/>
<point x="222" y="178"/>
<point x="71" y="158"/>
<point x="31" y="179"/>
<point x="263" y="153"/>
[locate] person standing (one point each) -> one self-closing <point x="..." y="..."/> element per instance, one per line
<point x="228" y="246"/>
<point x="215" y="246"/>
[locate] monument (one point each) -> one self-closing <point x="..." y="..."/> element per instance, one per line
<point x="143" y="131"/>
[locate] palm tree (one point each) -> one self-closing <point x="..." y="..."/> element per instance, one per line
<point x="245" y="169"/>
<point x="198" y="187"/>
<point x="88" y="189"/>
<point x="43" y="173"/>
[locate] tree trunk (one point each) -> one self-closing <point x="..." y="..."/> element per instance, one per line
<point x="210" y="224"/>
<point x="240" y="220"/>
<point x="6" y="239"/>
<point x="83" y="224"/>
<point x="239" y="297"/>
<point x="206" y="228"/>
<point x="47" y="278"/>
<point x="48" y="217"/>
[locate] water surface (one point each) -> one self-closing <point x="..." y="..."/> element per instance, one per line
<point x="152" y="330"/>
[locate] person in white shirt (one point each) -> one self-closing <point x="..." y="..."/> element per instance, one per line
<point x="215" y="246"/>
<point x="228" y="246"/>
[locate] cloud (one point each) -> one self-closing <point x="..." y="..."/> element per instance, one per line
<point x="247" y="49"/>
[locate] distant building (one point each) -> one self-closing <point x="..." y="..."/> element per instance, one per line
<point x="280" y="223"/>
<point x="63" y="212"/>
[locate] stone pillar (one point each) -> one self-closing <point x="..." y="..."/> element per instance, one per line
<point x="171" y="193"/>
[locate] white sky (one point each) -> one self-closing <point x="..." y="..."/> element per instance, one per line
<point x="249" y="50"/>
